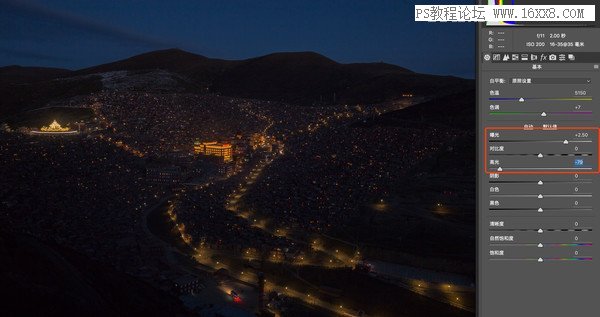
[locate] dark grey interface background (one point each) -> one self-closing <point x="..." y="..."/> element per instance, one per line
<point x="539" y="190"/>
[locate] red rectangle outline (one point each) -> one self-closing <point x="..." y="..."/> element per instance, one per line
<point x="485" y="136"/>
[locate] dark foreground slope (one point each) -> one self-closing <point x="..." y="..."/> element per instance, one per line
<point x="456" y="110"/>
<point x="39" y="279"/>
<point x="442" y="183"/>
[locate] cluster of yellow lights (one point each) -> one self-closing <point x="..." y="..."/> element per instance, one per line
<point x="54" y="127"/>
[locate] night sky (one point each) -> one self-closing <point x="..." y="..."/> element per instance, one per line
<point x="80" y="33"/>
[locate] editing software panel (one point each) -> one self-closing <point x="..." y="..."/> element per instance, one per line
<point x="539" y="184"/>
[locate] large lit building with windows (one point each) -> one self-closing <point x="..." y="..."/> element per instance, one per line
<point x="224" y="150"/>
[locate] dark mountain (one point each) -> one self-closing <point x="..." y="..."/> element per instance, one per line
<point x="303" y="78"/>
<point x="18" y="97"/>
<point x="19" y="74"/>
<point x="61" y="282"/>
<point x="174" y="60"/>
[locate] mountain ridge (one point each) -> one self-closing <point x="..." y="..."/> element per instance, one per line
<point x="26" y="74"/>
<point x="300" y="78"/>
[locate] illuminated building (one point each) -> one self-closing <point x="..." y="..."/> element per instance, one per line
<point x="54" y="128"/>
<point x="224" y="150"/>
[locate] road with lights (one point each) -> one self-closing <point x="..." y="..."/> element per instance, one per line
<point x="323" y="255"/>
